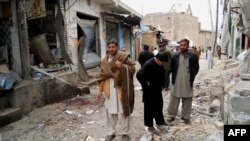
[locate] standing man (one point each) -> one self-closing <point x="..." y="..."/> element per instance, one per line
<point x="145" y="55"/>
<point x="116" y="83"/>
<point x="162" y="48"/>
<point x="177" y="48"/>
<point x="199" y="52"/>
<point x="184" y="67"/>
<point x="151" y="77"/>
<point x="219" y="52"/>
<point x="155" y="51"/>
<point x="195" y="51"/>
<point x="210" y="58"/>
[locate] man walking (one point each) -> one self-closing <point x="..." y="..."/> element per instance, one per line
<point x="210" y="58"/>
<point x="184" y="67"/>
<point x="145" y="55"/>
<point x="219" y="52"/>
<point x="151" y="77"/>
<point x="116" y="83"/>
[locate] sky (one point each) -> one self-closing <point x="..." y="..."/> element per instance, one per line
<point x="200" y="9"/>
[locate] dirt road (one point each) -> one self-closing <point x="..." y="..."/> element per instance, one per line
<point x="75" y="119"/>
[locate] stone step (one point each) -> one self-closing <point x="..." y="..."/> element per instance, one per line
<point x="238" y="108"/>
<point x="9" y="115"/>
<point x="245" y="76"/>
<point x="232" y="65"/>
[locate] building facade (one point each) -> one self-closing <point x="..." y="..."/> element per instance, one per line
<point x="205" y="39"/>
<point x="235" y="35"/>
<point x="45" y="41"/>
<point x="63" y="23"/>
<point x="178" y="24"/>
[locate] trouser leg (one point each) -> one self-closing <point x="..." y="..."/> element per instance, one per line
<point x="209" y="64"/>
<point x="111" y="121"/>
<point x="212" y="63"/>
<point x="173" y="106"/>
<point x="186" y="107"/>
<point x="125" y="124"/>
<point x="166" y="80"/>
<point x="148" y="114"/>
<point x="158" y="114"/>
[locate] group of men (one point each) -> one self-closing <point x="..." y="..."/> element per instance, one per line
<point x="116" y="84"/>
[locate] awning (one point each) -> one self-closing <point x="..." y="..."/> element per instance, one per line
<point x="127" y="18"/>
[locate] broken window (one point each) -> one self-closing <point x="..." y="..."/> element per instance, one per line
<point x="87" y="26"/>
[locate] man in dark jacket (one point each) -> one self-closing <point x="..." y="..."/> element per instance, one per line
<point x="184" y="67"/>
<point x="145" y="55"/>
<point x="151" y="77"/>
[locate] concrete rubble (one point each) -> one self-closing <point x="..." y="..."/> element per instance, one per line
<point x="237" y="106"/>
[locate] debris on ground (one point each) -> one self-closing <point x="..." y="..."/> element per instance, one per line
<point x="83" y="119"/>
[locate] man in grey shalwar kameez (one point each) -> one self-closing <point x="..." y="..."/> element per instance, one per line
<point x="184" y="67"/>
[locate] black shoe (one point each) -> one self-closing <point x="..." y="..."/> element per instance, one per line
<point x="109" y="137"/>
<point x="170" y="119"/>
<point x="186" y="121"/>
<point x="162" y="127"/>
<point x="152" y="130"/>
<point x="125" y="137"/>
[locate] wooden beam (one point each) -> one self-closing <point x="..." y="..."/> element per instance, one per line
<point x="23" y="38"/>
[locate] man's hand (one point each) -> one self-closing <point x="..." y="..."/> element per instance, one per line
<point x="99" y="97"/>
<point x="118" y="64"/>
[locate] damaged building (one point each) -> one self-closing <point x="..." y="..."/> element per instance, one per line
<point x="234" y="37"/>
<point x="175" y="29"/>
<point x="47" y="45"/>
<point x="152" y="37"/>
<point x="235" y="43"/>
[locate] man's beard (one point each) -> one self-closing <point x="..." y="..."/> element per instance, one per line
<point x="184" y="50"/>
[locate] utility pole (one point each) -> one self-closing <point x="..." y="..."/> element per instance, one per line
<point x="211" y="19"/>
<point x="216" y="25"/>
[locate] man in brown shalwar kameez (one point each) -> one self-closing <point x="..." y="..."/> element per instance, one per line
<point x="116" y="83"/>
<point x="184" y="67"/>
